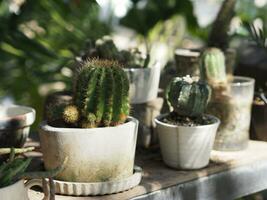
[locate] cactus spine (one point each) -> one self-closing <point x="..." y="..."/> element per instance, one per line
<point x="101" y="94"/>
<point x="188" y="97"/>
<point x="212" y="67"/>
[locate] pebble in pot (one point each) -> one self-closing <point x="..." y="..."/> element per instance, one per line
<point x="186" y="135"/>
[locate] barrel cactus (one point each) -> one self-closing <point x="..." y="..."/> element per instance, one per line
<point x="106" y="48"/>
<point x="188" y="97"/>
<point x="100" y="97"/>
<point x="101" y="94"/>
<point x="212" y="67"/>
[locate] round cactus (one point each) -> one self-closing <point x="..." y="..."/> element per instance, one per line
<point x="101" y="94"/>
<point x="212" y="66"/>
<point x="70" y="114"/>
<point x="187" y="96"/>
<point x="106" y="48"/>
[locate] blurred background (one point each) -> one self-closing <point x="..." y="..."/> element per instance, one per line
<point x="40" y="38"/>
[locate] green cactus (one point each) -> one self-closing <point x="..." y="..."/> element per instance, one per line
<point x="101" y="94"/>
<point x="61" y="114"/>
<point x="187" y="96"/>
<point x="106" y="48"/>
<point x="212" y="67"/>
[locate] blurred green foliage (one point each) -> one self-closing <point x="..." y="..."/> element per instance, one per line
<point x="145" y="14"/>
<point x="38" y="40"/>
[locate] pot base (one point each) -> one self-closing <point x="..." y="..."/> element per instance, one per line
<point x="98" y="188"/>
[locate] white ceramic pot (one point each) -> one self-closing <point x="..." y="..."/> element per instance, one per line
<point x="94" y="154"/>
<point x="144" y="83"/>
<point x="15" y="124"/>
<point x="18" y="191"/>
<point x="15" y="191"/>
<point x="186" y="147"/>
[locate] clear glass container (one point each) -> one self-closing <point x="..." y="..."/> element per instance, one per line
<point x="233" y="108"/>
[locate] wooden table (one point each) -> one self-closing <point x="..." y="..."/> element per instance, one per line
<point x="230" y="175"/>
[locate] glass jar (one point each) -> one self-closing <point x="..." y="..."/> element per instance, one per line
<point x="234" y="110"/>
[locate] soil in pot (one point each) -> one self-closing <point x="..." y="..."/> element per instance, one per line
<point x="177" y="120"/>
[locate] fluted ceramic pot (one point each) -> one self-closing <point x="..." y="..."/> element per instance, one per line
<point x="184" y="147"/>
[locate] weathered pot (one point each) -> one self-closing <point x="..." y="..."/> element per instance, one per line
<point x="15" y="191"/>
<point x="186" y="147"/>
<point x="15" y="124"/>
<point x="144" y="83"/>
<point x="145" y="113"/>
<point x="94" y="154"/>
<point x="187" y="62"/>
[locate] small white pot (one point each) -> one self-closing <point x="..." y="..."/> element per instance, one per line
<point x="15" y="122"/>
<point x="186" y="147"/>
<point x="94" y="154"/>
<point x="144" y="83"/>
<point x="15" y="191"/>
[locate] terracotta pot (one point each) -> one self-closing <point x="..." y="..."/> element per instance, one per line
<point x="184" y="147"/>
<point x="94" y="154"/>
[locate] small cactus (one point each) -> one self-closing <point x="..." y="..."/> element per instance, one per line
<point x="188" y="97"/>
<point x="105" y="48"/>
<point x="101" y="94"/>
<point x="70" y="114"/>
<point x="61" y="113"/>
<point x="212" y="67"/>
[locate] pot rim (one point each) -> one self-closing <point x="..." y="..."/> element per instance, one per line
<point x="157" y="121"/>
<point x="44" y="126"/>
<point x="247" y="81"/>
<point x="186" y="52"/>
<point x="154" y="66"/>
<point x="28" y="116"/>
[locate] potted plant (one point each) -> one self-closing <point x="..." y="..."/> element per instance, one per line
<point x="231" y="101"/>
<point x="12" y="175"/>
<point x="15" y="122"/>
<point x="143" y="75"/>
<point x="95" y="131"/>
<point x="186" y="135"/>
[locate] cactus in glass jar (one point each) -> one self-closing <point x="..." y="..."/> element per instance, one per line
<point x="212" y="66"/>
<point x="187" y="96"/>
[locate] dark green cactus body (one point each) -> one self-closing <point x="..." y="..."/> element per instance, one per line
<point x="212" y="66"/>
<point x="106" y="48"/>
<point x="188" y="98"/>
<point x="101" y="94"/>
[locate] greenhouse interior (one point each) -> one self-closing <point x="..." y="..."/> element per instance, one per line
<point x="133" y="99"/>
